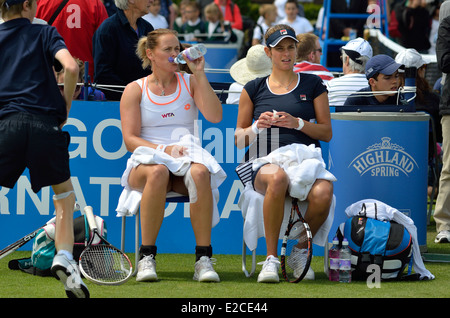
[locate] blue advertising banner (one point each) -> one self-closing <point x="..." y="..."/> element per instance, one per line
<point x="98" y="159"/>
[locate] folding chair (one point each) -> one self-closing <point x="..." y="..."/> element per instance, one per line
<point x="171" y="197"/>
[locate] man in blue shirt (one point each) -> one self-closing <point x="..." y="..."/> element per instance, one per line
<point x="32" y="112"/>
<point x="382" y="72"/>
<point x="114" y="47"/>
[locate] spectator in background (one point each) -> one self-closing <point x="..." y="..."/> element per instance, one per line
<point x="218" y="29"/>
<point x="354" y="56"/>
<point x="298" y="23"/>
<point x="382" y="73"/>
<point x="194" y="25"/>
<point x="168" y="11"/>
<point x="114" y="46"/>
<point x="93" y="93"/>
<point x="426" y="100"/>
<point x="341" y="27"/>
<point x="308" y="57"/>
<point x="77" y="23"/>
<point x="154" y="18"/>
<point x="268" y="16"/>
<point x="231" y="12"/>
<point x="414" y="24"/>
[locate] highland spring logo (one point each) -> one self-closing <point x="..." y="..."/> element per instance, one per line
<point x="384" y="159"/>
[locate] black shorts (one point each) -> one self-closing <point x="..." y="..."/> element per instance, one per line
<point x="35" y="142"/>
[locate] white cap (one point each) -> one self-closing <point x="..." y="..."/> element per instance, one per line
<point x="410" y="58"/>
<point x="358" y="47"/>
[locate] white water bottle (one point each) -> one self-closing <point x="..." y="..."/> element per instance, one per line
<point x="345" y="263"/>
<point x="192" y="53"/>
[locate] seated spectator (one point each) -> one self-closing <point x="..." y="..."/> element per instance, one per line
<point x="114" y="47"/>
<point x="255" y="64"/>
<point x="298" y="23"/>
<point x="309" y="53"/>
<point x="93" y="93"/>
<point x="354" y="56"/>
<point x="217" y="28"/>
<point x="154" y="18"/>
<point x="268" y="13"/>
<point x="382" y="73"/>
<point x="194" y="25"/>
<point x="231" y="12"/>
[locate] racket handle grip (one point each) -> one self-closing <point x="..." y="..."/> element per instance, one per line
<point x="90" y="217"/>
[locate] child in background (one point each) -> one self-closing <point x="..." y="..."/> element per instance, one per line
<point x="154" y="18"/>
<point x="217" y="28"/>
<point x="193" y="25"/>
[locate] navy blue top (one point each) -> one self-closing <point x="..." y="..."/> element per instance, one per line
<point x="27" y="80"/>
<point x="114" y="51"/>
<point x="370" y="100"/>
<point x="298" y="102"/>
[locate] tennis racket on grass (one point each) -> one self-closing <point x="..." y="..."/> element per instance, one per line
<point x="22" y="241"/>
<point x="296" y="249"/>
<point x="103" y="263"/>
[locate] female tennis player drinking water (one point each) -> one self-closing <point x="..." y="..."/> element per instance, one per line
<point x="155" y="112"/>
<point x="301" y="116"/>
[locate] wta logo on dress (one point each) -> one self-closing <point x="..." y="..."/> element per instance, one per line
<point x="384" y="159"/>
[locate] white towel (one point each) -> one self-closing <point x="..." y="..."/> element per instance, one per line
<point x="385" y="212"/>
<point x="303" y="164"/>
<point x="130" y="199"/>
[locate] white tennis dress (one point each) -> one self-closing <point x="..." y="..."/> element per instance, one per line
<point x="169" y="120"/>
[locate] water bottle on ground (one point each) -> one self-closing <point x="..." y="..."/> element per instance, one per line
<point x="345" y="263"/>
<point x="192" y="53"/>
<point x="333" y="255"/>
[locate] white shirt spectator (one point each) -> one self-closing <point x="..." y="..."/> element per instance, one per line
<point x="300" y="25"/>
<point x="339" y="88"/>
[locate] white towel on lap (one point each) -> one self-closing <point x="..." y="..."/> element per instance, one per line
<point x="304" y="165"/>
<point x="130" y="199"/>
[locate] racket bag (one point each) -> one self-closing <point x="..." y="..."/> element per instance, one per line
<point x="371" y="241"/>
<point x="44" y="250"/>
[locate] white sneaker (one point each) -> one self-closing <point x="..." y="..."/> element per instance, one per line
<point x="204" y="270"/>
<point x="69" y="274"/>
<point x="147" y="269"/>
<point x="442" y="237"/>
<point x="269" y="271"/>
<point x="297" y="261"/>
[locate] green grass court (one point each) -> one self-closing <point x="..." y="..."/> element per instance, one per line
<point x="175" y="281"/>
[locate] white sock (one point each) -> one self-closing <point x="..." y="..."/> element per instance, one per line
<point x="67" y="254"/>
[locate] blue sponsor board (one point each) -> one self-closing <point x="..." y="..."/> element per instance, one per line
<point x="381" y="156"/>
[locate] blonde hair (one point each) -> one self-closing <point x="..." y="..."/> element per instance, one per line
<point x="150" y="42"/>
<point x="266" y="8"/>
<point x="306" y="44"/>
<point x="213" y="8"/>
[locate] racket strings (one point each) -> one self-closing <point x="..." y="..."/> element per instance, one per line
<point x="105" y="264"/>
<point x="297" y="251"/>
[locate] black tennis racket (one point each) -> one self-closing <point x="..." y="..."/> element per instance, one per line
<point x="101" y="262"/>
<point x="296" y="249"/>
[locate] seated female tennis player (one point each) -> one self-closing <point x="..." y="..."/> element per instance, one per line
<point x="302" y="117"/>
<point x="155" y="112"/>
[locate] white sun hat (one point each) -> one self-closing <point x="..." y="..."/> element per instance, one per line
<point x="255" y="64"/>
